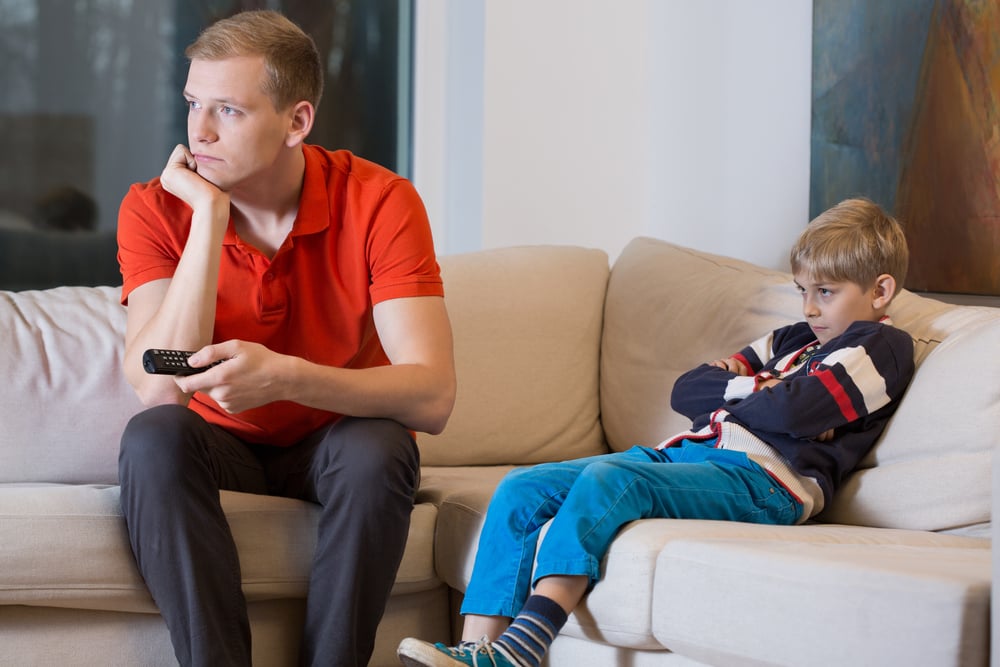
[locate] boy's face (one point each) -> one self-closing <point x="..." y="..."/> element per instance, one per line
<point x="234" y="131"/>
<point x="831" y="306"/>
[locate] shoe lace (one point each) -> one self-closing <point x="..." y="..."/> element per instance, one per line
<point x="483" y="647"/>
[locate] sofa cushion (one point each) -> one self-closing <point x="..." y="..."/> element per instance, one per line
<point x="669" y="309"/>
<point x="45" y="636"/>
<point x="462" y="494"/>
<point x="620" y="610"/>
<point x="527" y="326"/>
<point x="623" y="608"/>
<point x="747" y="602"/>
<point x="66" y="546"/>
<point x="64" y="397"/>
<point x="931" y="468"/>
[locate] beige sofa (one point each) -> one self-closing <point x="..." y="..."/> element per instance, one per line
<point x="558" y="357"/>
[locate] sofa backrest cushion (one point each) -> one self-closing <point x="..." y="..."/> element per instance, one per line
<point x="932" y="467"/>
<point x="670" y="308"/>
<point x="63" y="396"/>
<point x="527" y="325"/>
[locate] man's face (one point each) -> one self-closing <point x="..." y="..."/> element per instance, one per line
<point x="831" y="306"/>
<point x="234" y="131"/>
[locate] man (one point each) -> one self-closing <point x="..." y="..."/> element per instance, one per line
<point x="311" y="275"/>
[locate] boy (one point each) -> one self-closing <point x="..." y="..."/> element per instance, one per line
<point x="800" y="407"/>
<point x="312" y="274"/>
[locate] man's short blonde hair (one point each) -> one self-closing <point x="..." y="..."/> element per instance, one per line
<point x="294" y="69"/>
<point x="854" y="241"/>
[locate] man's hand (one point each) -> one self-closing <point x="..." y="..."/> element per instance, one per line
<point x="732" y="364"/>
<point x="180" y="178"/>
<point x="179" y="312"/>
<point x="250" y="376"/>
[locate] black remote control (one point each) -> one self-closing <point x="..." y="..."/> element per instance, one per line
<point x="171" y="362"/>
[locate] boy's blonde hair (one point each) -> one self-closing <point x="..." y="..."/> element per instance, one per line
<point x="854" y="241"/>
<point x="293" y="66"/>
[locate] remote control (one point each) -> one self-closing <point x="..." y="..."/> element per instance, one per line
<point x="171" y="362"/>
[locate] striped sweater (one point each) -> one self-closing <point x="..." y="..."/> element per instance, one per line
<point x="852" y="385"/>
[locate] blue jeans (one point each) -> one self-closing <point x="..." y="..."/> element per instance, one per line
<point x="590" y="499"/>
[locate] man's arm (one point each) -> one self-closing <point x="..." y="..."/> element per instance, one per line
<point x="417" y="389"/>
<point x="178" y="313"/>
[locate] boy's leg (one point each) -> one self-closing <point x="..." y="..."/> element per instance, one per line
<point x="606" y="493"/>
<point x="703" y="483"/>
<point x="523" y="502"/>
<point x="171" y="467"/>
<point x="364" y="474"/>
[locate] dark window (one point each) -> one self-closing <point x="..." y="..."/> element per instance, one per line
<point x="92" y="103"/>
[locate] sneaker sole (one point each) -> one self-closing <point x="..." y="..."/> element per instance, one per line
<point x="415" y="653"/>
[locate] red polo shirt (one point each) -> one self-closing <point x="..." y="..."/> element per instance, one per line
<point x="361" y="237"/>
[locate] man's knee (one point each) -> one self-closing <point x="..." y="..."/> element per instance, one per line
<point x="370" y="454"/>
<point x="156" y="441"/>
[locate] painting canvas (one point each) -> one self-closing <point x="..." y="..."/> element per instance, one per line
<point x="906" y="111"/>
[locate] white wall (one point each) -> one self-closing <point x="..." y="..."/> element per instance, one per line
<point x="589" y="122"/>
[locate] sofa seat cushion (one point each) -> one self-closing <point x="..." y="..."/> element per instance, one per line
<point x="461" y="495"/>
<point x="623" y="607"/>
<point x="765" y="602"/>
<point x="619" y="611"/>
<point x="66" y="546"/>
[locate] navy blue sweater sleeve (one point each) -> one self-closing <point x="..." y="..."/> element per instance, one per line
<point x="851" y="385"/>
<point x="861" y="371"/>
<point x="703" y="389"/>
<point x="699" y="391"/>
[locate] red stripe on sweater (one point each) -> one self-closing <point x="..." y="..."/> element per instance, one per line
<point x="839" y="395"/>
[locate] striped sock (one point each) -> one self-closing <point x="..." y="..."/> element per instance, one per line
<point x="531" y="633"/>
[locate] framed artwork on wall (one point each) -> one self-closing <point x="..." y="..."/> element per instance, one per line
<point x="906" y="111"/>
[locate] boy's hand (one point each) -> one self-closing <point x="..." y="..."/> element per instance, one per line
<point x="732" y="364"/>
<point x="825" y="436"/>
<point x="768" y="383"/>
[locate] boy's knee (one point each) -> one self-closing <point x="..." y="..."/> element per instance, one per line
<point x="514" y="481"/>
<point x="522" y="486"/>
<point x="606" y="477"/>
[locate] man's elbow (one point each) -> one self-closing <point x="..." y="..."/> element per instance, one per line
<point x="439" y="411"/>
<point x="154" y="391"/>
<point x="153" y="399"/>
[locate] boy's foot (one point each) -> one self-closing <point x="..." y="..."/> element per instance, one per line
<point x="415" y="653"/>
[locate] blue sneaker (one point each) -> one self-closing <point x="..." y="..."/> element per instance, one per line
<point x="416" y="653"/>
